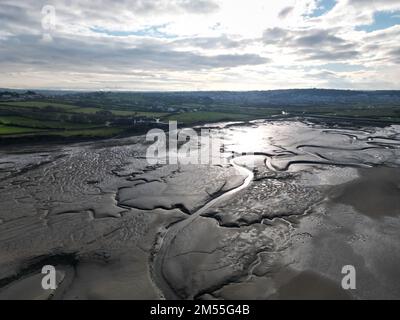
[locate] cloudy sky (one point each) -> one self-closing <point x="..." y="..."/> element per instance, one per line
<point x="200" y="44"/>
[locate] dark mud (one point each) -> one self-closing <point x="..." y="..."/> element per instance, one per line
<point x="277" y="222"/>
<point x="376" y="193"/>
<point x="309" y="285"/>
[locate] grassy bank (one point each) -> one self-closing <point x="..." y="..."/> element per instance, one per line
<point x="99" y="118"/>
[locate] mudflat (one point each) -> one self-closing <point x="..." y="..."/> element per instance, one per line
<point x="376" y="193"/>
<point x="295" y="203"/>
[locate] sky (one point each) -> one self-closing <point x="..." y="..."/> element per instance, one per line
<point x="173" y="45"/>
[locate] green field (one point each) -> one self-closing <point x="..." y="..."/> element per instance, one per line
<point x="139" y="113"/>
<point x="86" y="110"/>
<point x="86" y="117"/>
<point x="41" y="124"/>
<point x="366" y="112"/>
<point x="28" y="118"/>
<point x="205" y="116"/>
<point x="10" y="130"/>
<point x="88" y="133"/>
<point x="104" y="132"/>
<point x="67" y="108"/>
<point x="39" y="104"/>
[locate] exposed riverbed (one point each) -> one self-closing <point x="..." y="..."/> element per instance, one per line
<point x="294" y="204"/>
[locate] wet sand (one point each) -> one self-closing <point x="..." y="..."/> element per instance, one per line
<point x="225" y="231"/>
<point x="376" y="193"/>
<point x="309" y="285"/>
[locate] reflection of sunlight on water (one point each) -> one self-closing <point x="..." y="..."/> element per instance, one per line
<point x="303" y="144"/>
<point x="246" y="139"/>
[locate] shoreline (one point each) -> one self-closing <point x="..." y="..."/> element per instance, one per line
<point x="48" y="139"/>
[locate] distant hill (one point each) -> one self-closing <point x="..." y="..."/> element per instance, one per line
<point x="294" y="97"/>
<point x="272" y="98"/>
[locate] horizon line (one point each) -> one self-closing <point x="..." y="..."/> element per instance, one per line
<point x="193" y="91"/>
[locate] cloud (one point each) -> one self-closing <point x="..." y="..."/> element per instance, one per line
<point x="285" y="12"/>
<point x="318" y="38"/>
<point x="222" y="42"/>
<point x="373" y="4"/>
<point x="325" y="55"/>
<point x="187" y="44"/>
<point x="77" y="54"/>
<point x="394" y="55"/>
<point x="311" y="44"/>
<point x="276" y="35"/>
<point x="199" y="6"/>
<point x="353" y="13"/>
